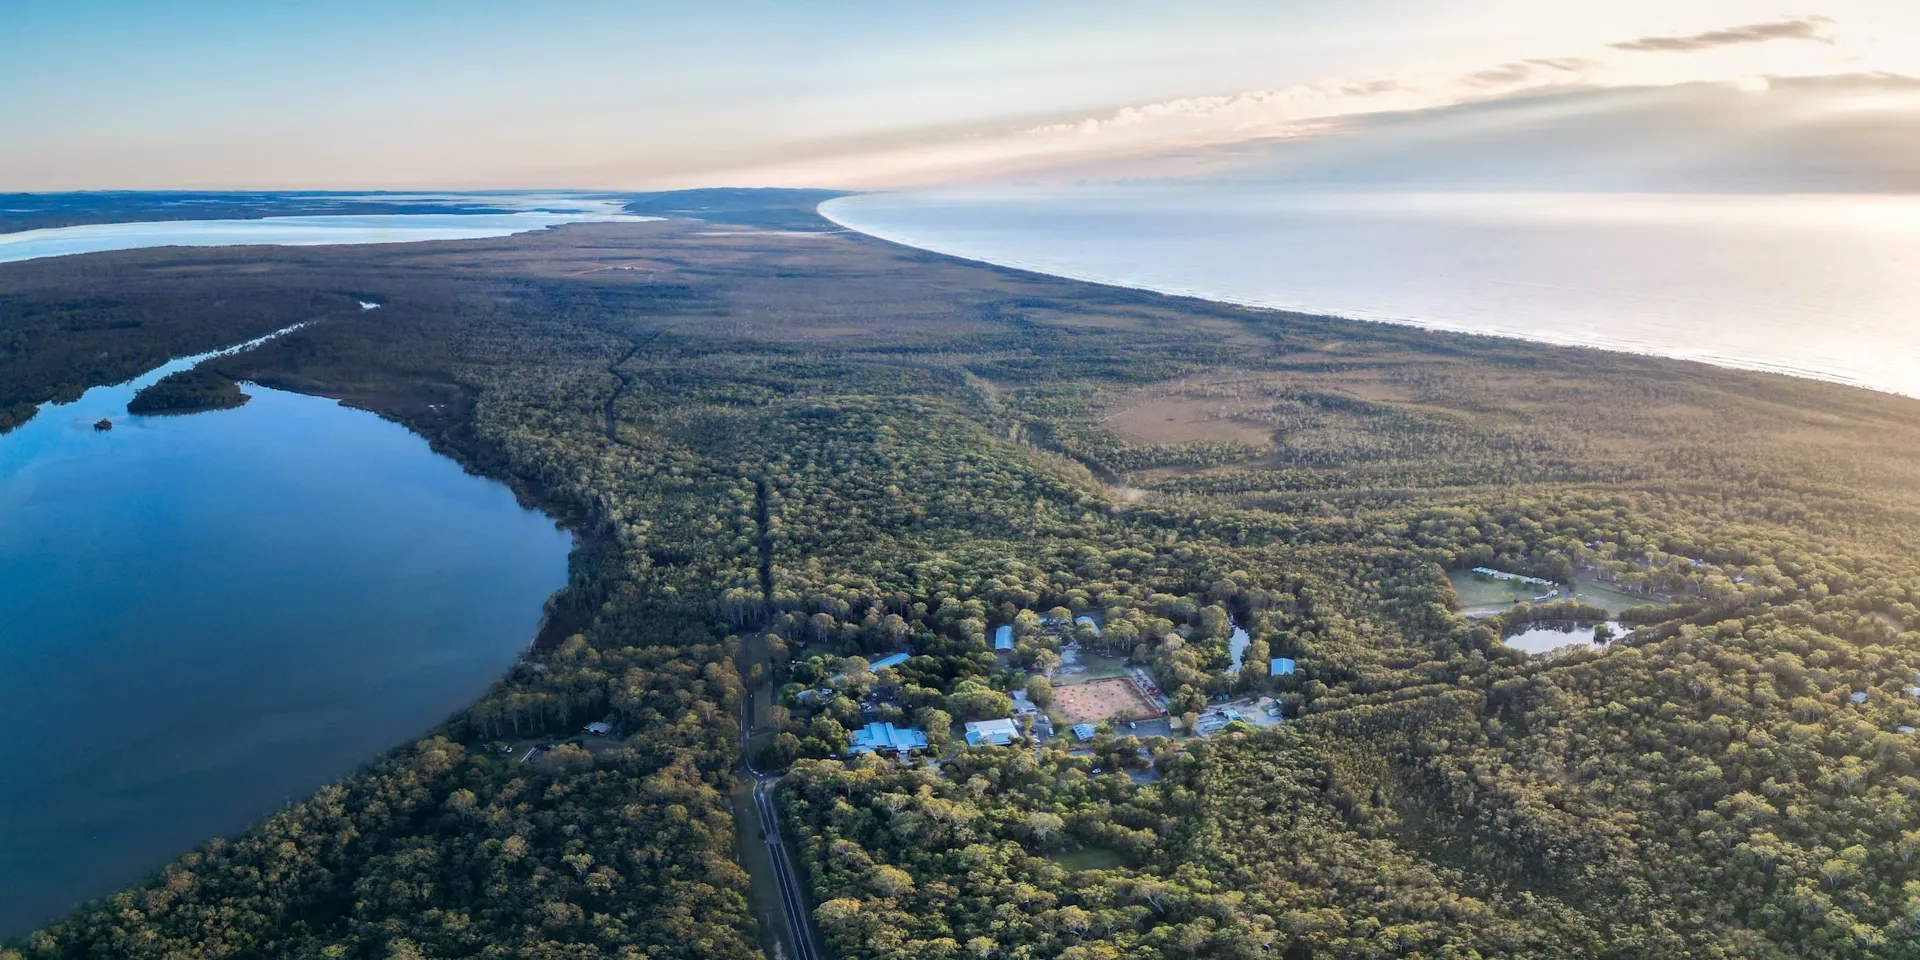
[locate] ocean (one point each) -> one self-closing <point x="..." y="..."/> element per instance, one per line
<point x="1821" y="286"/>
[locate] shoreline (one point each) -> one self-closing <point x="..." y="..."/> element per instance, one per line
<point x="1433" y="326"/>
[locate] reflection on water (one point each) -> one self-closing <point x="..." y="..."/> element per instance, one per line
<point x="1821" y="286"/>
<point x="203" y="616"/>
<point x="1542" y="637"/>
<point x="1237" y="647"/>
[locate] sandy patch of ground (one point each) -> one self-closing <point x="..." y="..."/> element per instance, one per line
<point x="1183" y="419"/>
<point x="1379" y="391"/>
<point x="1100" y="700"/>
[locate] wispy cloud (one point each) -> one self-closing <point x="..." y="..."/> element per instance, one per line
<point x="1816" y="29"/>
<point x="1248" y="104"/>
<point x="1548" y="70"/>
<point x="1304" y="108"/>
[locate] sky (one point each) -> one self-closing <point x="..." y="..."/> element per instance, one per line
<point x="425" y="94"/>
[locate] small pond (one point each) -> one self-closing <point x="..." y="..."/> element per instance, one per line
<point x="1542" y="637"/>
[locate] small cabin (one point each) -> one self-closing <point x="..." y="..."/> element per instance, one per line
<point x="1002" y="638"/>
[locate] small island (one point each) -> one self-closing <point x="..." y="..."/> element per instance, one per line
<point x="189" y="391"/>
<point x="103" y="424"/>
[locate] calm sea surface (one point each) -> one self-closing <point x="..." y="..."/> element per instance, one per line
<point x="1818" y="286"/>
<point x="203" y="616"/>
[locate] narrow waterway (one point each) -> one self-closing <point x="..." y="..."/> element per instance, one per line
<point x="204" y="616"/>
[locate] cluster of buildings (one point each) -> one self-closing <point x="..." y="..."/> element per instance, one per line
<point x="1513" y="577"/>
<point x="1553" y="591"/>
<point x="890" y="738"/>
<point x="1213" y="722"/>
<point x="1003" y="634"/>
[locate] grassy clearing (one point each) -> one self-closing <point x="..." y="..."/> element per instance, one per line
<point x="1483" y="595"/>
<point x="1088" y="858"/>
<point x="1609" y="599"/>
<point x="1090" y="667"/>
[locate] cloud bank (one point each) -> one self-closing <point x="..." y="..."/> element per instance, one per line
<point x="1844" y="133"/>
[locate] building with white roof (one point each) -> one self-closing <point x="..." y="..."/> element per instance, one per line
<point x="997" y="732"/>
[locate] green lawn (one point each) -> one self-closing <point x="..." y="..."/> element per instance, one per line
<point x="1093" y="666"/>
<point x="1090" y="858"/>
<point x="1601" y="595"/>
<point x="1483" y="595"/>
<point x="1486" y="595"/>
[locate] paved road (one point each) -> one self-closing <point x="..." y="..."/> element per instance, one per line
<point x="792" y="898"/>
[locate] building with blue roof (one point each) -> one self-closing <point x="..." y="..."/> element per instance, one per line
<point x="1084" y="731"/>
<point x="875" y="737"/>
<point x="1088" y="622"/>
<point x="1280" y="667"/>
<point x="1003" y="637"/>
<point x="890" y="660"/>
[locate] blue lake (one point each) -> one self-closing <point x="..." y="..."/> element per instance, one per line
<point x="204" y="616"/>
<point x="297" y="231"/>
